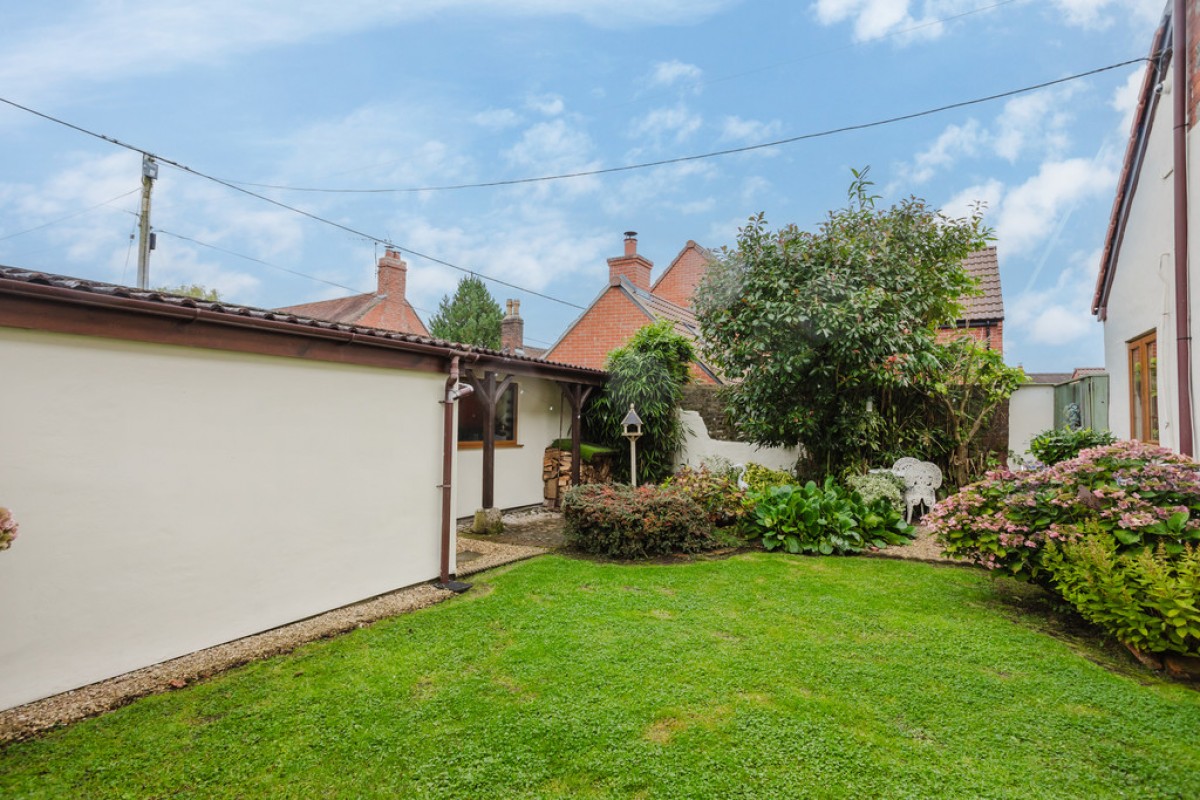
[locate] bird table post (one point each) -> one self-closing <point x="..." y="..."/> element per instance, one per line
<point x="633" y="429"/>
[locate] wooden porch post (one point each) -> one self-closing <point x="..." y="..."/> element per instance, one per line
<point x="489" y="393"/>
<point x="576" y="394"/>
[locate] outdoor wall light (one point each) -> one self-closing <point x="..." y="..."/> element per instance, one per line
<point x="633" y="429"/>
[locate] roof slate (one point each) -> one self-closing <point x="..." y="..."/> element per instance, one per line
<point x="984" y="265"/>
<point x="86" y="287"/>
<point x="343" y="309"/>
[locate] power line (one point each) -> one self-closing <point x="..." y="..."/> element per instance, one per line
<point x="67" y="217"/>
<point x="300" y="211"/>
<point x="714" y="154"/>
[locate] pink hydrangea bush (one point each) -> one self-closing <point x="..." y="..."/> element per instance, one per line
<point x="8" y="528"/>
<point x="1137" y="494"/>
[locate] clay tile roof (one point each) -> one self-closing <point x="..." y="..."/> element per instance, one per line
<point x="86" y="287"/>
<point x="1083" y="372"/>
<point x="985" y="266"/>
<point x="658" y="308"/>
<point x="343" y="309"/>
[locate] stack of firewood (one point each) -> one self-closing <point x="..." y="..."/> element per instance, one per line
<point x="556" y="473"/>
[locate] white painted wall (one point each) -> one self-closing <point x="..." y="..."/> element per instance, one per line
<point x="1030" y="411"/>
<point x="541" y="418"/>
<point x="171" y="499"/>
<point x="698" y="445"/>
<point x="1142" y="297"/>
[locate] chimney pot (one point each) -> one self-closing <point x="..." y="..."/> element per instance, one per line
<point x="631" y="243"/>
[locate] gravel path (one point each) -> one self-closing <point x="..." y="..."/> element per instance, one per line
<point x="923" y="548"/>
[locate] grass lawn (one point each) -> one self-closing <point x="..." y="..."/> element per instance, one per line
<point x="762" y="676"/>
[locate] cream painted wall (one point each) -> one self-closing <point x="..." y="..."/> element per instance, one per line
<point x="1030" y="411"/>
<point x="172" y="499"/>
<point x="698" y="445"/>
<point x="542" y="418"/>
<point x="1141" y="299"/>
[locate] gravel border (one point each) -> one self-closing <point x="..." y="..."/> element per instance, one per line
<point x="26" y="721"/>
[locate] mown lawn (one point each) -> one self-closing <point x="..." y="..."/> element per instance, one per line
<point x="762" y="676"/>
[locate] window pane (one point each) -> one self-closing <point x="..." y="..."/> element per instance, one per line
<point x="1135" y="393"/>
<point x="1152" y="378"/>
<point x="470" y="417"/>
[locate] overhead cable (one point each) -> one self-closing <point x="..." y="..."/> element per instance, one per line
<point x="697" y="157"/>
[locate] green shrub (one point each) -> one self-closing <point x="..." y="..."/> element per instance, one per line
<point x="1058" y="444"/>
<point x="879" y="485"/>
<point x="1146" y="599"/>
<point x="758" y="477"/>
<point x="715" y="492"/>
<point x="622" y="522"/>
<point x="1136" y="494"/>
<point x="822" y="519"/>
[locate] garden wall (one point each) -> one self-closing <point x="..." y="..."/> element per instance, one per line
<point x="174" y="498"/>
<point x="712" y="435"/>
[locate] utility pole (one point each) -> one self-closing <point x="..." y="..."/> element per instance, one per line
<point x="149" y="173"/>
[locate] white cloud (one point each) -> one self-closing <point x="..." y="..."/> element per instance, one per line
<point x="876" y="18"/>
<point x="1030" y="211"/>
<point x="1034" y="121"/>
<point x="668" y="73"/>
<point x="112" y="40"/>
<point x="963" y="204"/>
<point x="551" y="105"/>
<point x="1124" y="98"/>
<point x="1060" y="314"/>
<point x="497" y="118"/>
<point x="552" y="147"/>
<point x="749" y="131"/>
<point x="676" y="123"/>
<point x="955" y="141"/>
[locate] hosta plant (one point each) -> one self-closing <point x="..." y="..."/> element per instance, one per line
<point x="823" y="520"/>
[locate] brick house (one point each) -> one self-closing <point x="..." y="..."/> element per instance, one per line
<point x="386" y="307"/>
<point x="630" y="302"/>
<point x="982" y="314"/>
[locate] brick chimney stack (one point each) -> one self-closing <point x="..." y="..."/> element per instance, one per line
<point x="512" y="328"/>
<point x="633" y="267"/>
<point x="392" y="275"/>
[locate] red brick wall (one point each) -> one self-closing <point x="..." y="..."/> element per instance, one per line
<point x="679" y="282"/>
<point x="993" y="335"/>
<point x="605" y="326"/>
<point x="394" y="315"/>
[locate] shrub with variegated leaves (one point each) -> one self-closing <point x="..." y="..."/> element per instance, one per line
<point x="1138" y="494"/>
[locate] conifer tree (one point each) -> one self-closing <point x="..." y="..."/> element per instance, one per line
<point x="472" y="316"/>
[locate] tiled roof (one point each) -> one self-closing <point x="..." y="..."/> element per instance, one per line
<point x="1047" y="378"/>
<point x="985" y="266"/>
<point x="343" y="309"/>
<point x="658" y="308"/>
<point x="301" y="322"/>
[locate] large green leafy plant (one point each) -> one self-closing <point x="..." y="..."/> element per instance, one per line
<point x="649" y="372"/>
<point x="820" y="330"/>
<point x="823" y="520"/>
<point x="1058" y="444"/>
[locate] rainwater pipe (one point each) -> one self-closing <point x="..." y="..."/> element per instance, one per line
<point x="455" y="390"/>
<point x="1183" y="334"/>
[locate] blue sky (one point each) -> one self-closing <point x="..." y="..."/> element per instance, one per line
<point x="372" y="94"/>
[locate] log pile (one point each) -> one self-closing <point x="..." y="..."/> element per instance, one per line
<point x="556" y="474"/>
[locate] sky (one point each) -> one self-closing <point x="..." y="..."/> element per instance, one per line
<point x="399" y="100"/>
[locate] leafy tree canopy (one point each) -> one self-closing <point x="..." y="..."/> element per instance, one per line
<point x="470" y="317"/>
<point x="816" y="329"/>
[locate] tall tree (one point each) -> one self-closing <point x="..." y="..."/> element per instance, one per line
<point x="818" y="329"/>
<point x="470" y="317"/>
